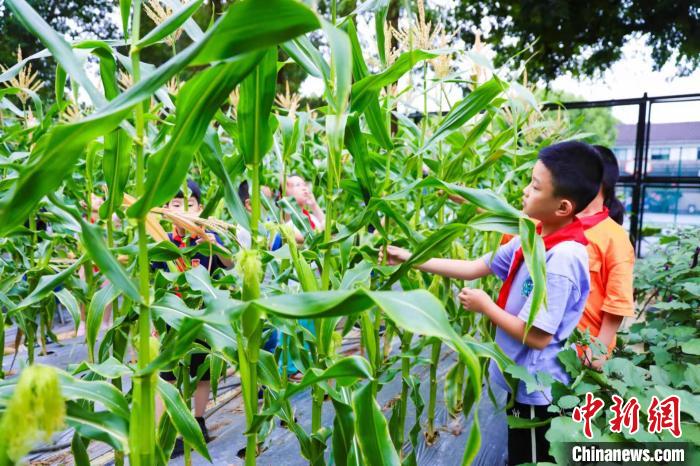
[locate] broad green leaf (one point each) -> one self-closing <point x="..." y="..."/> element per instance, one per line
<point x="60" y="49"/>
<point x="308" y="57"/>
<point x="96" y="391"/>
<point x="341" y="70"/>
<point x="79" y="450"/>
<point x="125" y="11"/>
<point x="47" y="284"/>
<point x="182" y="418"/>
<point x="372" y="430"/>
<point x="212" y="155"/>
<point x="102" y="426"/>
<point x="345" y="371"/>
<point x="365" y="90"/>
<point x="431" y="246"/>
<point x="169" y="26"/>
<point x="98" y="304"/>
<point x="70" y="303"/>
<point x="94" y="242"/>
<point x="251" y="25"/>
<point x="174" y="311"/>
<point x="482" y="198"/>
<point x="257" y="94"/>
<point x="343" y="433"/>
<point x="534" y="253"/>
<point x="197" y="103"/>
<point x="691" y="346"/>
<point x="475" y="102"/>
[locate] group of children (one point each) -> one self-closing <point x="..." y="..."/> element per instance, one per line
<point x="589" y="265"/>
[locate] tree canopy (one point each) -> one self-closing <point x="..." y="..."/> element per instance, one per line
<point x="583" y="38"/>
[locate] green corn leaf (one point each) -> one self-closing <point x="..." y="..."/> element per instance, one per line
<point x="70" y="303"/>
<point x="95" y="391"/>
<point x="475" y="102"/>
<point x="473" y="441"/>
<point x="366" y="90"/>
<point x="182" y="418"/>
<point x="488" y="221"/>
<point x="102" y="426"/>
<point x="250" y="25"/>
<point x="111" y="368"/>
<point x="212" y="156"/>
<point x="167" y="27"/>
<point x="99" y="302"/>
<point x="197" y="103"/>
<point x="429" y="248"/>
<point x="95" y="244"/>
<point x="306" y="55"/>
<point x="78" y="448"/>
<point x="482" y="198"/>
<point x="60" y="49"/>
<point x="341" y="70"/>
<point x="57" y="151"/>
<point x="217" y="332"/>
<point x="125" y="11"/>
<point x="342" y="438"/>
<point x="255" y="103"/>
<point x="345" y="371"/>
<point x="534" y="254"/>
<point x="47" y="284"/>
<point x="372" y="430"/>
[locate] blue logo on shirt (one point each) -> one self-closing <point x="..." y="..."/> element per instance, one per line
<point x="527" y="287"/>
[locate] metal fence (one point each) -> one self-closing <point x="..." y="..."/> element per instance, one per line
<point x="670" y="178"/>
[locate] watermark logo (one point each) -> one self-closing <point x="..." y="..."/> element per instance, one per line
<point x="661" y="414"/>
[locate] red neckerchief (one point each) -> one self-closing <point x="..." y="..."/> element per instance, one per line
<point x="181" y="243"/>
<point x="308" y="215"/>
<point x="571" y="232"/>
<point x="595" y="219"/>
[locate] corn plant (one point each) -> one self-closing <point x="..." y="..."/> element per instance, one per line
<point x="210" y="112"/>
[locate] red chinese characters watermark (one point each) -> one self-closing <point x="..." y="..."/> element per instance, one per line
<point x="587" y="412"/>
<point x="626" y="415"/>
<point x="662" y="414"/>
<point x="665" y="415"/>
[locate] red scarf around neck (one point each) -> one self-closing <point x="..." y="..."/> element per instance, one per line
<point x="571" y="232"/>
<point x="595" y="219"/>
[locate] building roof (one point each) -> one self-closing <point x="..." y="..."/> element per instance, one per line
<point x="660" y="133"/>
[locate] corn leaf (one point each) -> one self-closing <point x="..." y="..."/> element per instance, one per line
<point x="372" y="430"/>
<point x="182" y="418"/>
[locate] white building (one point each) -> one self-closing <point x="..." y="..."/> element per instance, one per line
<point x="674" y="149"/>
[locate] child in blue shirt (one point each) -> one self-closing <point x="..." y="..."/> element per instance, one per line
<point x="565" y="180"/>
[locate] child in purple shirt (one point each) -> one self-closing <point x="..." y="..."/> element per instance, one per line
<point x="565" y="179"/>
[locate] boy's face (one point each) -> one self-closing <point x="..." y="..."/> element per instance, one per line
<point x="178" y="205"/>
<point x="297" y="188"/>
<point x="265" y="190"/>
<point x="539" y="201"/>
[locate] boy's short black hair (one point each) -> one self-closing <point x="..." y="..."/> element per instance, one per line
<point x="243" y="191"/>
<point x="193" y="191"/>
<point x="577" y="171"/>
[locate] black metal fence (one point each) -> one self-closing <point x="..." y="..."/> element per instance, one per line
<point x="655" y="191"/>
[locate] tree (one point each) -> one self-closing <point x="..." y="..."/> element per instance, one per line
<point x="76" y="18"/>
<point x="583" y="38"/>
<point x="597" y="123"/>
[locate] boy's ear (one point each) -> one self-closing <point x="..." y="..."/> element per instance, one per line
<point x="566" y="208"/>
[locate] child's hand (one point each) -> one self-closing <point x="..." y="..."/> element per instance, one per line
<point x="210" y="239"/>
<point x="394" y="255"/>
<point x="474" y="299"/>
